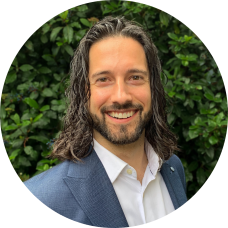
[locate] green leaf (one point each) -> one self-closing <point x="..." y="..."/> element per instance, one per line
<point x="54" y="33"/>
<point x="44" y="70"/>
<point x="3" y="112"/>
<point x="29" y="45"/>
<point x="39" y="138"/>
<point x="82" y="8"/>
<point x="57" y="77"/>
<point x="28" y="150"/>
<point x="137" y="10"/>
<point x="11" y="127"/>
<point x="76" y="25"/>
<point x="164" y="18"/>
<point x="23" y="161"/>
<point x="45" y="28"/>
<point x="193" y="133"/>
<point x="173" y="43"/>
<point x="197" y="120"/>
<point x="223" y="123"/>
<point x="195" y="98"/>
<point x="48" y="57"/>
<point x="37" y="118"/>
<point x="32" y="103"/>
<point x="64" y="15"/>
<point x="47" y="92"/>
<point x="68" y="33"/>
<point x="211" y="123"/>
<point x="180" y="96"/>
<point x="188" y="176"/>
<point x="199" y="87"/>
<point x="17" y="143"/>
<point x="219" y="117"/>
<point x="173" y="36"/>
<point x="16" y="118"/>
<point x="213" y="111"/>
<point x="26" y="67"/>
<point x="213" y="140"/>
<point x="46" y="167"/>
<point x="57" y="102"/>
<point x="171" y="118"/>
<point x="184" y="63"/>
<point x="193" y="166"/>
<point x="171" y="94"/>
<point x="210" y="152"/>
<point x="200" y="175"/>
<point x="14" y="154"/>
<point x="24" y="86"/>
<point x="163" y="48"/>
<point x="110" y="7"/>
<point x="44" y="39"/>
<point x="209" y="96"/>
<point x="11" y="77"/>
<point x="180" y="56"/>
<point x="69" y="50"/>
<point x="191" y="103"/>
<point x="45" y="108"/>
<point x="218" y="99"/>
<point x="55" y="50"/>
<point x="85" y="22"/>
<point x="25" y="123"/>
<point x="108" y="11"/>
<point x="177" y="48"/>
<point x="113" y="4"/>
<point x="176" y="28"/>
<point x="80" y="34"/>
<point x="191" y="57"/>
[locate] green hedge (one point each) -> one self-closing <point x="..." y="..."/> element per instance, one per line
<point x="33" y="103"/>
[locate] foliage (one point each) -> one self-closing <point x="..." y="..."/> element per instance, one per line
<point x="33" y="104"/>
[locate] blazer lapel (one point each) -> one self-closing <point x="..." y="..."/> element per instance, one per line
<point x="174" y="185"/>
<point x="93" y="190"/>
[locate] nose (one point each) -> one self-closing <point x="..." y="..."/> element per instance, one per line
<point x="121" y="93"/>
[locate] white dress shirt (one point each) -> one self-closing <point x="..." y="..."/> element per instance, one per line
<point x="140" y="203"/>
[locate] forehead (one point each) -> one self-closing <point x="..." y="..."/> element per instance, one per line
<point x="116" y="54"/>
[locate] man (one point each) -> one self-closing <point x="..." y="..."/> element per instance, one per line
<point x="119" y="169"/>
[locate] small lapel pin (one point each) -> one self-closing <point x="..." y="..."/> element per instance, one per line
<point x="172" y="169"/>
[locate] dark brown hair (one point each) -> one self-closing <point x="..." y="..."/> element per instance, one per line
<point x="76" y="137"/>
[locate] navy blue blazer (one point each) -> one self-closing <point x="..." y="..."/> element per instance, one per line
<point x="84" y="193"/>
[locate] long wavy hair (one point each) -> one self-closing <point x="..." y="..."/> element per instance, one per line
<point x="76" y="136"/>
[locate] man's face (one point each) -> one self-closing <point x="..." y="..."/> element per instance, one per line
<point x="120" y="102"/>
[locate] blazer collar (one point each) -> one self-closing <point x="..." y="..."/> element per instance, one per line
<point x="173" y="184"/>
<point x="94" y="192"/>
<point x="91" y="187"/>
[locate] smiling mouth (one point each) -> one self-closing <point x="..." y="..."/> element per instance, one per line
<point x="122" y="115"/>
<point x="122" y="120"/>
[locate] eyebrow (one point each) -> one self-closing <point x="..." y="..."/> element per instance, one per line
<point x="134" y="70"/>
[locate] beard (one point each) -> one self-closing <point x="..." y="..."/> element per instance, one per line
<point x="125" y="133"/>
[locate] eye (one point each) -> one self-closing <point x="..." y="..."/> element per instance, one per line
<point x="102" y="80"/>
<point x="136" y="76"/>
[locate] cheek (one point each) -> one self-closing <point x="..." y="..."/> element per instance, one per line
<point x="144" y="96"/>
<point x="98" y="99"/>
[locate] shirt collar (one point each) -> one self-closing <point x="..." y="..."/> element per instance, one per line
<point x="114" y="165"/>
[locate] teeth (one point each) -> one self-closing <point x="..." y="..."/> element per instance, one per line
<point x="121" y="115"/>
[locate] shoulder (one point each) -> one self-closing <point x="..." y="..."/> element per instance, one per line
<point x="49" y="184"/>
<point x="175" y="162"/>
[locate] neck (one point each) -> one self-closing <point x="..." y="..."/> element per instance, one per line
<point x="133" y="154"/>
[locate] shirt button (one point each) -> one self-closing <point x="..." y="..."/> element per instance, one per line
<point x="129" y="171"/>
